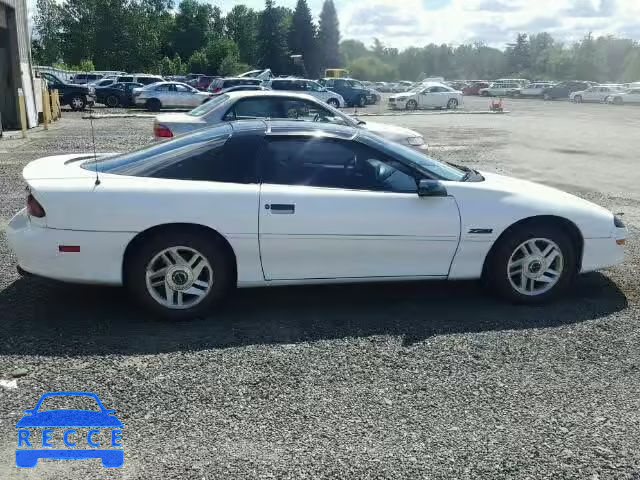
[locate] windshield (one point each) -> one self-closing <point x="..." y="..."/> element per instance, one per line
<point x="208" y="106"/>
<point x="427" y="165"/>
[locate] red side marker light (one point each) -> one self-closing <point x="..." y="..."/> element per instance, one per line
<point x="69" y="248"/>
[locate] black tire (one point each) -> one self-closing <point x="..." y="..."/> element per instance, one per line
<point x="77" y="103"/>
<point x="154" y="105"/>
<point x="412" y="105"/>
<point x="212" y="249"/>
<point x="577" y="99"/>
<point x="452" y="104"/>
<point x="618" y="101"/>
<point x="484" y="94"/>
<point x="362" y="101"/>
<point x="333" y="102"/>
<point x="112" y="101"/>
<point x="496" y="270"/>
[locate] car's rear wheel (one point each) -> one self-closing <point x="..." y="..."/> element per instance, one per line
<point x="412" y="105"/>
<point x="334" y="102"/>
<point x="577" y="99"/>
<point x="452" y="104"/>
<point x="617" y="101"/>
<point x="179" y="275"/>
<point x="362" y="101"/>
<point x="547" y="97"/>
<point x="533" y="264"/>
<point x="154" y="105"/>
<point x="112" y="101"/>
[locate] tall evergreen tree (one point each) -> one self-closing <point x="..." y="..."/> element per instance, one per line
<point x="241" y="25"/>
<point x="329" y="35"/>
<point x="302" y="38"/>
<point x="192" y="27"/>
<point x="272" y="40"/>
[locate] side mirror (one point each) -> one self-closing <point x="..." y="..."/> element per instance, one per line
<point x="431" y="188"/>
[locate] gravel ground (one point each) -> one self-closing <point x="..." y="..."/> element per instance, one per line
<point x="419" y="380"/>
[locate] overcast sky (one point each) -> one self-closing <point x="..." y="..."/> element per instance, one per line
<point x="403" y="23"/>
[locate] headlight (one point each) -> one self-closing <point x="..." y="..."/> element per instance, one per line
<point x="415" y="141"/>
<point x="617" y="221"/>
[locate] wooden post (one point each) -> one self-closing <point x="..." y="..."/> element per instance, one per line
<point x="23" y="113"/>
<point x="58" y="109"/>
<point x="46" y="107"/>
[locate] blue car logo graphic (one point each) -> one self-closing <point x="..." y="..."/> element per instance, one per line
<point x="69" y="419"/>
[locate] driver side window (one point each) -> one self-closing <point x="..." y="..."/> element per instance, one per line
<point x="309" y="112"/>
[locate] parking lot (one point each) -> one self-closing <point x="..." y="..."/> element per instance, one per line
<point x="419" y="380"/>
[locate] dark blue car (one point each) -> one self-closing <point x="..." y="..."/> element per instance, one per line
<point x="355" y="94"/>
<point x="69" y="418"/>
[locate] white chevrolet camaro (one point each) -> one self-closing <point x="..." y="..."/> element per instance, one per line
<point x="255" y="203"/>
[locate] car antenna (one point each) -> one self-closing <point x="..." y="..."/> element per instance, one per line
<point x="93" y="141"/>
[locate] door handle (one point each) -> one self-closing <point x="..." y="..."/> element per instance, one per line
<point x="281" y="208"/>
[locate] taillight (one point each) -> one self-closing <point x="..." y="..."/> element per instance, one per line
<point x="34" y="208"/>
<point x="161" y="131"/>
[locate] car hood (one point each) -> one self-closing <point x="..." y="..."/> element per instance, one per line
<point x="69" y="418"/>
<point x="391" y="132"/>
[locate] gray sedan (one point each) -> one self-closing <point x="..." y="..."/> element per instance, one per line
<point x="161" y="95"/>
<point x="276" y="105"/>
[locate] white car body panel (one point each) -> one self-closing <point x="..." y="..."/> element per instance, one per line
<point x="181" y="123"/>
<point x="185" y="97"/>
<point x="360" y="234"/>
<point x="596" y="93"/>
<point x="632" y="96"/>
<point x="336" y="235"/>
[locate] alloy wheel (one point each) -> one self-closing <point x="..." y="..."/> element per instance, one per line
<point x="535" y="266"/>
<point x="179" y="277"/>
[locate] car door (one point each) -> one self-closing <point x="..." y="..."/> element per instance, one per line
<point x="427" y="97"/>
<point x="187" y="96"/>
<point x="332" y="209"/>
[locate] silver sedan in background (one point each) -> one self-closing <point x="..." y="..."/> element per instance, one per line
<point x="275" y="105"/>
<point x="161" y="95"/>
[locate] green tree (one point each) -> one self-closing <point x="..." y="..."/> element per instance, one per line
<point x="198" y="61"/>
<point x="302" y="38"/>
<point x="519" y="55"/>
<point x="217" y="50"/>
<point x="372" y="68"/>
<point x="329" y="36"/>
<point x="588" y="60"/>
<point x="351" y="50"/>
<point x="77" y="25"/>
<point x="241" y="25"/>
<point x="191" y="27"/>
<point x="47" y="25"/>
<point x="272" y="39"/>
<point x="632" y="66"/>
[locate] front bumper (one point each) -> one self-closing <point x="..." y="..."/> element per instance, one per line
<point x="37" y="250"/>
<point x="601" y="253"/>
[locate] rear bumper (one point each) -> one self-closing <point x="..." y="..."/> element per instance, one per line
<point x="99" y="260"/>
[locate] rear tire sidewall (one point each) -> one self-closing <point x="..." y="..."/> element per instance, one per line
<point x="412" y="105"/>
<point x="496" y="268"/>
<point x="577" y="99"/>
<point x="452" y="104"/>
<point x="209" y="246"/>
<point x="333" y="102"/>
<point x="362" y="101"/>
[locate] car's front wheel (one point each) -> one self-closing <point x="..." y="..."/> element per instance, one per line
<point x="179" y="274"/>
<point x="532" y="264"/>
<point x="412" y="105"/>
<point x="334" y="102"/>
<point x="577" y="99"/>
<point x="452" y="104"/>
